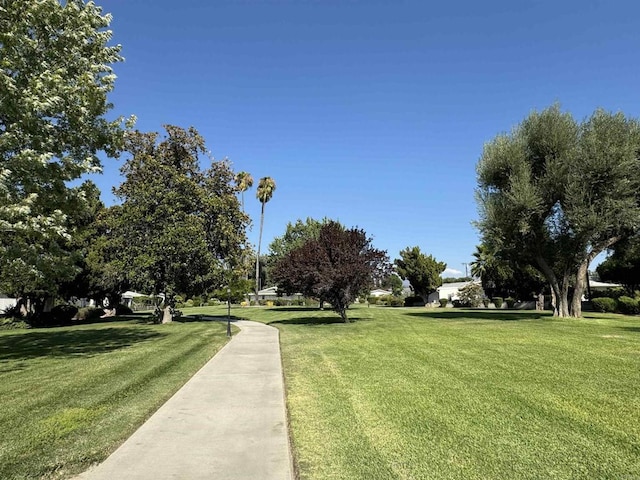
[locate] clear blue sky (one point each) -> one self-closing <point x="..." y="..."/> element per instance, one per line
<point x="373" y="113"/>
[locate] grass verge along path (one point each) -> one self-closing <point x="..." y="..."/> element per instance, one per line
<point x="71" y="395"/>
<point x="454" y="394"/>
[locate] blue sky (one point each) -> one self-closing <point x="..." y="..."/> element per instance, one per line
<point x="373" y="113"/>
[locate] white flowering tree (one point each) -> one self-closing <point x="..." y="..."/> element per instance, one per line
<point x="55" y="74"/>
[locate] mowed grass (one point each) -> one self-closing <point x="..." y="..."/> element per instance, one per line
<point x="71" y="395"/>
<point x="453" y="394"/>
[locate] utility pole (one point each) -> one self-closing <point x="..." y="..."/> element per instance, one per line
<point x="465" y="269"/>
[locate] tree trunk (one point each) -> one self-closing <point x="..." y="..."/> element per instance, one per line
<point x="540" y="302"/>
<point x="167" y="316"/>
<point x="559" y="289"/>
<point x="258" y="254"/>
<point x="581" y="279"/>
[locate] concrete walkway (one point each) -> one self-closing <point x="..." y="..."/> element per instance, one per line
<point x="227" y="422"/>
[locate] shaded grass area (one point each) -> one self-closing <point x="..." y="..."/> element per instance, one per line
<point x="454" y="394"/>
<point x="71" y="395"/>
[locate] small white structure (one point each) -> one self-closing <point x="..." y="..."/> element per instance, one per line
<point x="602" y="286"/>
<point x="271" y="294"/>
<point x="6" y="302"/>
<point x="127" y="297"/>
<point x="451" y="291"/>
<point x="379" y="292"/>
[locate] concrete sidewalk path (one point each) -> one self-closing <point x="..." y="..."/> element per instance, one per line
<point x="227" y="422"/>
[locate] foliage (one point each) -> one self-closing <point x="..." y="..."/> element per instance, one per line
<point x="244" y="181"/>
<point x="295" y="235"/>
<point x="604" y="304"/>
<point x="414" y="301"/>
<point x="336" y="267"/>
<point x="422" y="271"/>
<point x="559" y="192"/>
<point x="389" y="301"/>
<point x="239" y="288"/>
<point x="506" y="273"/>
<point x="394" y="283"/>
<point x="444" y="302"/>
<point x="179" y="229"/>
<point x="497" y="301"/>
<point x="510" y="301"/>
<point x="471" y="295"/>
<point x="59" y="315"/>
<point x="456" y="279"/>
<point x="623" y="264"/>
<point x="55" y="75"/>
<point x="628" y="305"/>
<point x="89" y="313"/>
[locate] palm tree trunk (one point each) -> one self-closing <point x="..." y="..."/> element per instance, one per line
<point x="258" y="255"/>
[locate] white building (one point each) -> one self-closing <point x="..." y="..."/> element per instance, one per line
<point x="271" y="294"/>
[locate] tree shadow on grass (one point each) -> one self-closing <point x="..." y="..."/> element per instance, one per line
<point x="295" y="309"/>
<point x="205" y="318"/>
<point x="317" y="321"/>
<point x="71" y="343"/>
<point x="630" y="329"/>
<point x="134" y="318"/>
<point x="497" y="315"/>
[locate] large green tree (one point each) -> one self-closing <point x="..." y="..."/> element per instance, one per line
<point x="294" y="236"/>
<point x="55" y="75"/>
<point x="422" y="271"/>
<point x="560" y="192"/>
<point x="336" y="267"/>
<point x="179" y="229"/>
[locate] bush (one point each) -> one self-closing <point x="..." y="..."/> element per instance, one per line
<point x="604" y="304"/>
<point x="89" y="313"/>
<point x="59" y="315"/>
<point x="628" y="305"/>
<point x="197" y="301"/>
<point x="123" y="310"/>
<point x="372" y="300"/>
<point x="444" y="302"/>
<point x="395" y="301"/>
<point x="189" y="303"/>
<point x="470" y="296"/>
<point x="511" y="302"/>
<point x="62" y="314"/>
<point x="497" y="301"/>
<point x="486" y="302"/>
<point x="12" y="323"/>
<point x="415" y="301"/>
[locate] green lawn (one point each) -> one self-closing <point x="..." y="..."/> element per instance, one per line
<point x="444" y="393"/>
<point x="71" y="395"/>
<point x="398" y="393"/>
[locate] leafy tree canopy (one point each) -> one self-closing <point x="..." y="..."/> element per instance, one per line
<point x="560" y="192"/>
<point x="623" y="265"/>
<point x="422" y="271"/>
<point x="178" y="229"/>
<point x="294" y="236"/>
<point x="336" y="267"/>
<point x="55" y="74"/>
<point x="394" y="283"/>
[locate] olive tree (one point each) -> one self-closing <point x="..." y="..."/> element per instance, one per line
<point x="559" y="192"/>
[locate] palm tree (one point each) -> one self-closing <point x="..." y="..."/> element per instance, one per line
<point x="244" y="181"/>
<point x="266" y="187"/>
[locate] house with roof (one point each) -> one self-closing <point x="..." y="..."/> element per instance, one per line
<point x="272" y="294"/>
